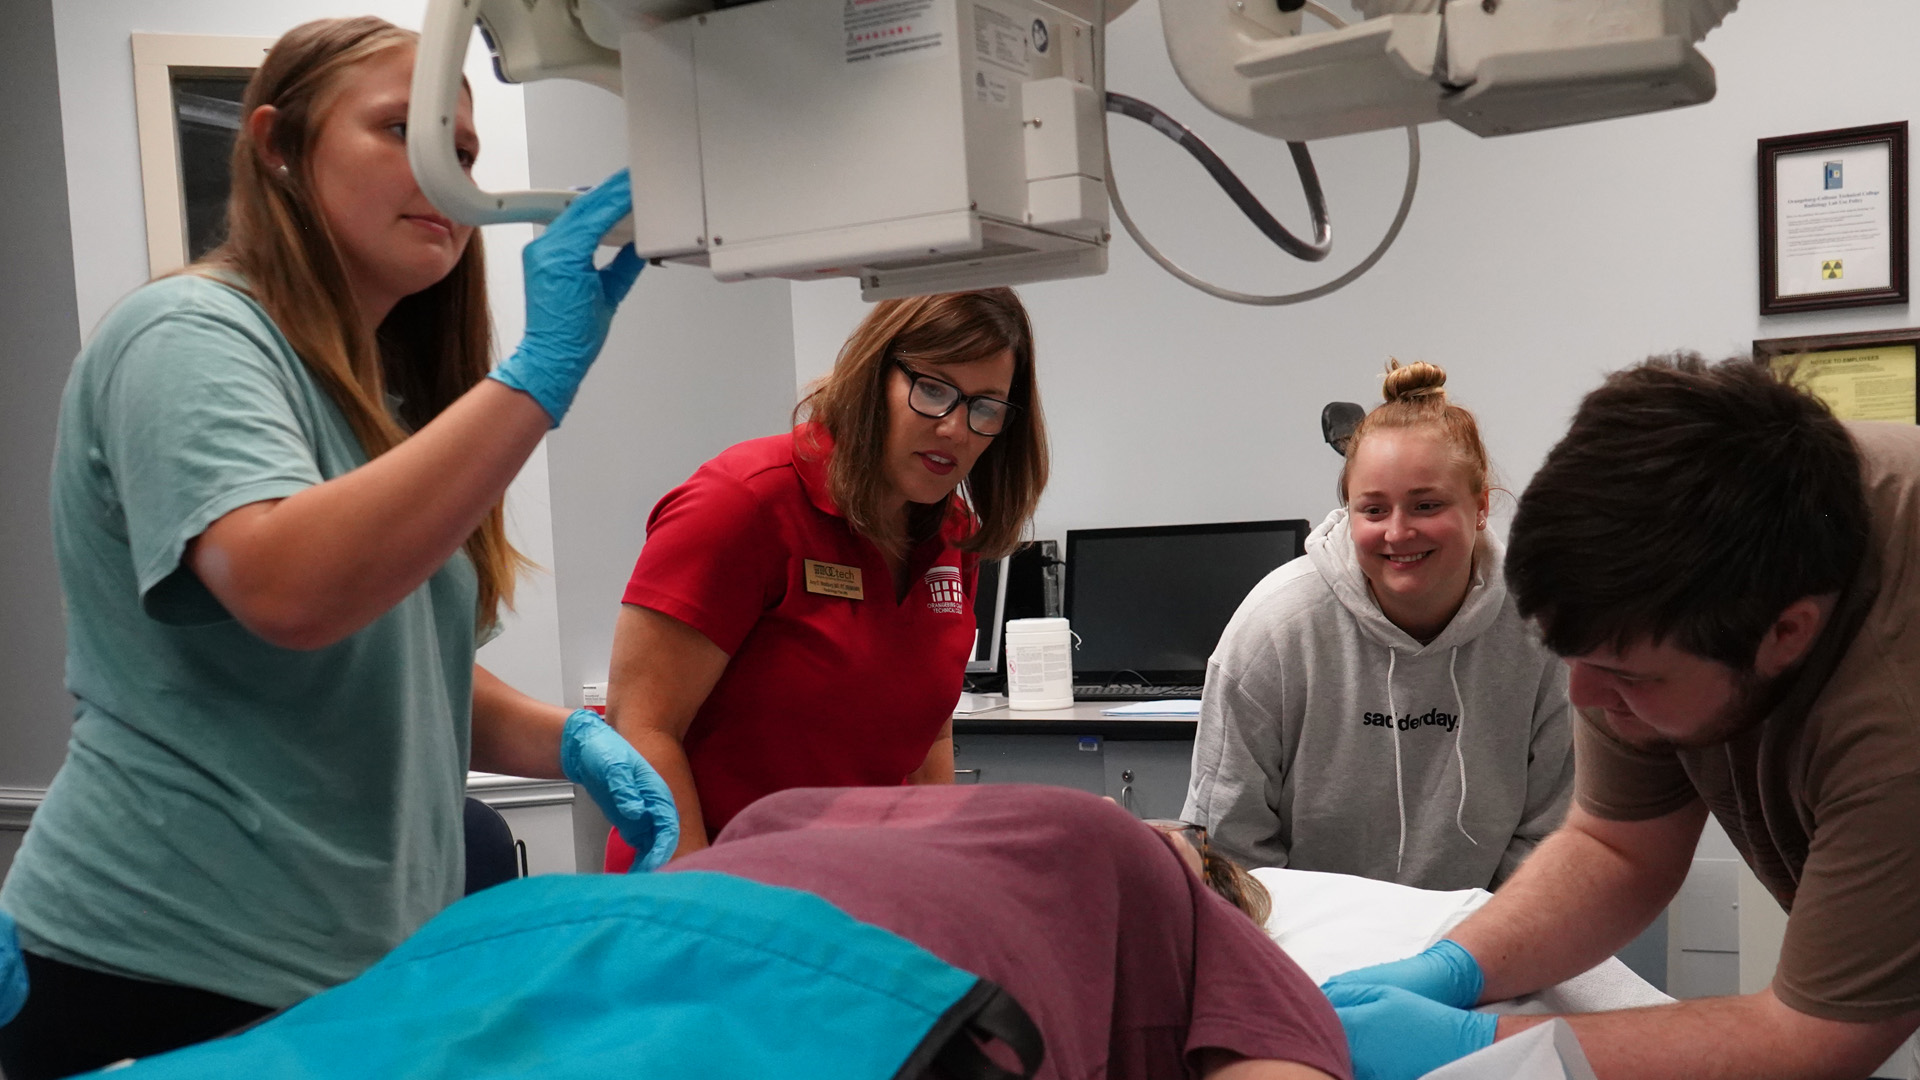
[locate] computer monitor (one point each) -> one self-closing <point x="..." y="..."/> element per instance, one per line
<point x="989" y="613"/>
<point x="1149" y="603"/>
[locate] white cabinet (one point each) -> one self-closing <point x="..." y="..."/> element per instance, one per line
<point x="1703" y="941"/>
<point x="540" y="814"/>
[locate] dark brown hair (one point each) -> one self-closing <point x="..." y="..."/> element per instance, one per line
<point x="1415" y="396"/>
<point x="432" y="348"/>
<point x="926" y="332"/>
<point x="1689" y="502"/>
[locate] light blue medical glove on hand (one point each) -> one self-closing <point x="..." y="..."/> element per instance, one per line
<point x="623" y="785"/>
<point x="13" y="971"/>
<point x="1445" y="973"/>
<point x="570" y="304"/>
<point x="1395" y="1034"/>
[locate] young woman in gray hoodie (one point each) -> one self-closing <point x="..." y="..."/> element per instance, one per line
<point x="1379" y="707"/>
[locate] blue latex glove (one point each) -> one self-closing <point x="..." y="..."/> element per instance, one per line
<point x="13" y="971"/>
<point x="623" y="785"/>
<point x="1445" y="973"/>
<point x="1395" y="1034"/>
<point x="570" y="304"/>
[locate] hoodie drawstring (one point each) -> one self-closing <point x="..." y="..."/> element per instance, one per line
<point x="1399" y="787"/>
<point x="1459" y="756"/>
<point x="1459" y="736"/>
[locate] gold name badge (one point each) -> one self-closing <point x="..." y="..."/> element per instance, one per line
<point x="832" y="579"/>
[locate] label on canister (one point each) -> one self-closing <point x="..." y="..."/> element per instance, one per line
<point x="1039" y="664"/>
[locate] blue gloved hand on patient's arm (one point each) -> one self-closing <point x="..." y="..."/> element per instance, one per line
<point x="13" y="970"/>
<point x="623" y="785"/>
<point x="570" y="303"/>
<point x="1445" y="973"/>
<point x="1395" y="1034"/>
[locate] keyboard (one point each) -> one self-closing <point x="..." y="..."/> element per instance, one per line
<point x="1133" y="692"/>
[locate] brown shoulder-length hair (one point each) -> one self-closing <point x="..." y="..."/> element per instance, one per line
<point x="851" y="403"/>
<point x="434" y="345"/>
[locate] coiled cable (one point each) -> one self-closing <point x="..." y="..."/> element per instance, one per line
<point x="1312" y="251"/>
<point x="1302" y="162"/>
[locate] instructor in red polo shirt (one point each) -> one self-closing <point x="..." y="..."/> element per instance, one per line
<point x="802" y="612"/>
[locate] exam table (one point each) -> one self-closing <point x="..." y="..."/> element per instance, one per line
<point x="1332" y="923"/>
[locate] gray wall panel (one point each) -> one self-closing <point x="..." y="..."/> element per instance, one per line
<point x="39" y="334"/>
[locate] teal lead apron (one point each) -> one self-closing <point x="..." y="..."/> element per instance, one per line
<point x="697" y="975"/>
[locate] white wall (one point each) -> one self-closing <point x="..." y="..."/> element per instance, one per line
<point x="109" y="227"/>
<point x="1531" y="265"/>
<point x="690" y="367"/>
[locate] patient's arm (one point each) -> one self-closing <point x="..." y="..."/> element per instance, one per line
<point x="1587" y="890"/>
<point x="1215" y="1064"/>
<point x="1752" y="1037"/>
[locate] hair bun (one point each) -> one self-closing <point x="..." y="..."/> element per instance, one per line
<point x="1414" y="382"/>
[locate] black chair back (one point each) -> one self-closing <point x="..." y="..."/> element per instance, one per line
<point x="493" y="856"/>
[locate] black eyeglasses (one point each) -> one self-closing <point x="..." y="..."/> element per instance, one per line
<point x="935" y="398"/>
<point x="1224" y="876"/>
<point x="1194" y="835"/>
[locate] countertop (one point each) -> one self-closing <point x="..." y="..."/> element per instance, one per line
<point x="1080" y="718"/>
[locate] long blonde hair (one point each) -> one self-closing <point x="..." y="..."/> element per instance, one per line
<point x="1005" y="483"/>
<point x="432" y="347"/>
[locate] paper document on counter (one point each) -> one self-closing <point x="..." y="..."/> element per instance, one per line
<point x="1173" y="707"/>
<point x="973" y="703"/>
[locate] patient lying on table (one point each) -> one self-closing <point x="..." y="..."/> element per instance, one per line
<point x="779" y="951"/>
<point x="1128" y="962"/>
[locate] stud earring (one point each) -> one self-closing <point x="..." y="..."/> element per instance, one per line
<point x="282" y="170"/>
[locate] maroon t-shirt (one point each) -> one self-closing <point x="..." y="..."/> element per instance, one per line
<point x="1123" y="957"/>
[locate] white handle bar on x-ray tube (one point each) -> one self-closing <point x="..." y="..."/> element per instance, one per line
<point x="430" y="116"/>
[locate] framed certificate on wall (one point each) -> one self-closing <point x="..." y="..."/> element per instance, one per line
<point x="1833" y="219"/>
<point x="1868" y="376"/>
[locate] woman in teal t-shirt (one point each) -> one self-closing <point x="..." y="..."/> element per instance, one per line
<point x="277" y="512"/>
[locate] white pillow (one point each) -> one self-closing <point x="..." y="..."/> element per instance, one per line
<point x="1330" y="923"/>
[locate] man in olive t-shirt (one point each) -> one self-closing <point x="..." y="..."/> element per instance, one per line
<point x="1730" y="574"/>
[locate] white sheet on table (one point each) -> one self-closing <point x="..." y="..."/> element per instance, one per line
<point x="1330" y="923"/>
<point x="1546" y="1052"/>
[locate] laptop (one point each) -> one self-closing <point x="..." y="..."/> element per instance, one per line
<point x="1149" y="603"/>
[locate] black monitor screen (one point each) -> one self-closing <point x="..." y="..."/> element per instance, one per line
<point x="989" y="606"/>
<point x="1155" y="600"/>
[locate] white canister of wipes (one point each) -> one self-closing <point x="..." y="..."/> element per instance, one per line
<point x="1039" y="664"/>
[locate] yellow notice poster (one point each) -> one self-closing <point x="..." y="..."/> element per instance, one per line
<point x="1875" y="383"/>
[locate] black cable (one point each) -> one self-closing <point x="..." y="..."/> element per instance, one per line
<point x="1311" y="251"/>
